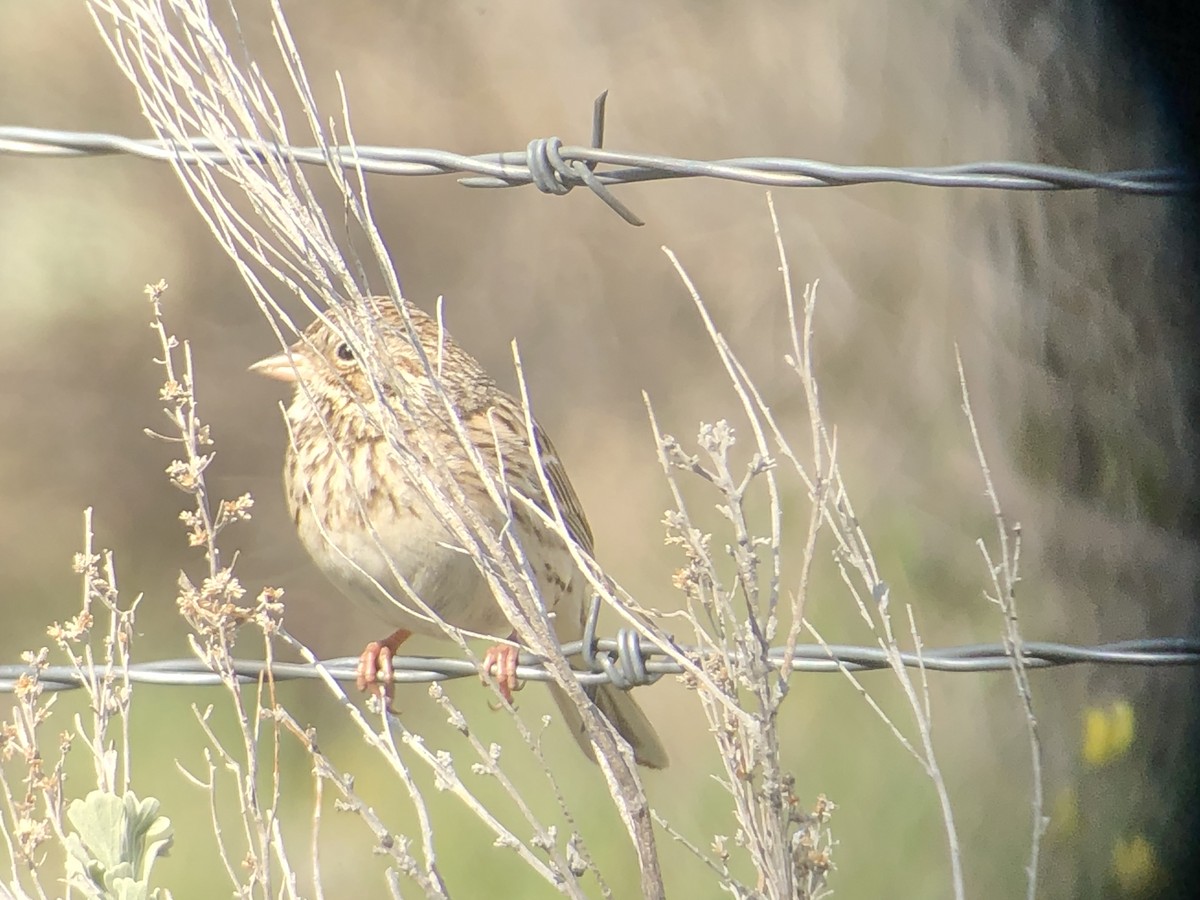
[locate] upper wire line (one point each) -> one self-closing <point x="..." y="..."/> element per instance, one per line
<point x="556" y="168"/>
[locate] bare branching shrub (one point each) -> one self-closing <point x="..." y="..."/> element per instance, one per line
<point x="106" y="842"/>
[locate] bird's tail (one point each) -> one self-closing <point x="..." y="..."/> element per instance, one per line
<point x="627" y="717"/>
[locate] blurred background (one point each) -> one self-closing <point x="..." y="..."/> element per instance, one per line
<point x="1072" y="312"/>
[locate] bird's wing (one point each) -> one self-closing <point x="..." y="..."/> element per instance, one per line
<point x="563" y="494"/>
<point x="505" y="415"/>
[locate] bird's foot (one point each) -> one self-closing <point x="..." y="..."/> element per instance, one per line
<point x="375" y="671"/>
<point x="500" y="662"/>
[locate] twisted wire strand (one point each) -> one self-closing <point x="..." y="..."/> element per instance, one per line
<point x="611" y="666"/>
<point x="556" y="168"/>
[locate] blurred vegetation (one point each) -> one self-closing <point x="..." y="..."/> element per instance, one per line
<point x="1069" y="309"/>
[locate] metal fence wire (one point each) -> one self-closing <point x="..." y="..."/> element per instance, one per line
<point x="556" y="168"/>
<point x="627" y="663"/>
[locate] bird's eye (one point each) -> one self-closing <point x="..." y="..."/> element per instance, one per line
<point x="345" y="352"/>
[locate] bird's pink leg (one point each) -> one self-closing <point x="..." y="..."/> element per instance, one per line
<point x="501" y="663"/>
<point x="375" y="664"/>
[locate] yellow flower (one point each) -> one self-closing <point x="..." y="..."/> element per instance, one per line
<point x="1134" y="865"/>
<point x="1064" y="814"/>
<point x="1107" y="733"/>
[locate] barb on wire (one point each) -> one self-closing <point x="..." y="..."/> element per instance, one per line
<point x="806" y="658"/>
<point x="556" y="168"/>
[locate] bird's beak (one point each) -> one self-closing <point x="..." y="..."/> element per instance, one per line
<point x="290" y="367"/>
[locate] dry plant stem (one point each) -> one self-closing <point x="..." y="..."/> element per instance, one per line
<point x="763" y="610"/>
<point x="184" y="91"/>
<point x="382" y="740"/>
<point x="708" y="602"/>
<point x="104" y="675"/>
<point x="210" y="786"/>
<point x="918" y="645"/>
<point x="448" y="778"/>
<point x="1004" y="576"/>
<point x="9" y="822"/>
<point x="323" y="771"/>
<point x="615" y="758"/>
<point x="489" y="764"/>
<point x="189" y="85"/>
<point x="853" y="553"/>
<point x="824" y="471"/>
<point x="831" y="508"/>
<point x="721" y="870"/>
<point x="318" y="801"/>
<point x="106" y="684"/>
<point x="266" y="682"/>
<point x="557" y="872"/>
<point x="868" y="698"/>
<point x="625" y="605"/>
<point x="215" y="615"/>
<point x="25" y="830"/>
<point x="256" y="824"/>
<point x="763" y="795"/>
<point x="532" y="741"/>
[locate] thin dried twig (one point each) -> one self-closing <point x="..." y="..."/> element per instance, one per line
<point x="736" y="624"/>
<point x="1005" y="575"/>
<point x="853" y="556"/>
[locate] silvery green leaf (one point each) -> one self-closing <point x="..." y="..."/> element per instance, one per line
<point x="152" y="833"/>
<point x="128" y="889"/>
<point x="118" y="840"/>
<point x="101" y="822"/>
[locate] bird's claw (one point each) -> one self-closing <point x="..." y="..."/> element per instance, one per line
<point x="375" y="671"/>
<point x="500" y="664"/>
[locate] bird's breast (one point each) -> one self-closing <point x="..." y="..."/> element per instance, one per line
<point x="372" y="532"/>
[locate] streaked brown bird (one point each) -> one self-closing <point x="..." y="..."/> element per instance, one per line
<point x="359" y="515"/>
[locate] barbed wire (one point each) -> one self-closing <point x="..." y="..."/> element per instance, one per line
<point x="556" y="168"/>
<point x="806" y="658"/>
